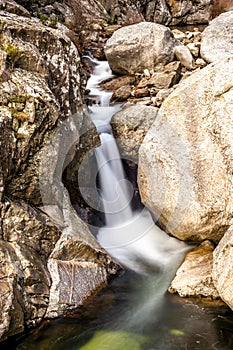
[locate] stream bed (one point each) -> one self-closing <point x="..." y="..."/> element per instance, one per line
<point x="111" y="322"/>
<point x="134" y="312"/>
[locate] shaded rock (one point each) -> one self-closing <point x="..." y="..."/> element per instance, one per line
<point x="185" y="160"/>
<point x="141" y="92"/>
<point x="11" y="303"/>
<point x="219" y="6"/>
<point x="122" y="12"/>
<point x="194" y="276"/>
<point x="184" y="55"/>
<point x="175" y="12"/>
<point x="41" y="120"/>
<point x="221" y="28"/>
<point x="60" y="57"/>
<point x="165" y="79"/>
<point x="12" y="7"/>
<point x="130" y="126"/>
<point x="31" y="237"/>
<point x="223" y="269"/>
<point x="121" y="94"/>
<point x="118" y="82"/>
<point x="141" y="46"/>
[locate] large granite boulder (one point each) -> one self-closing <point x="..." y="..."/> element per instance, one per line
<point x="213" y="49"/>
<point x="223" y="269"/>
<point x="185" y="160"/>
<point x="145" y="45"/>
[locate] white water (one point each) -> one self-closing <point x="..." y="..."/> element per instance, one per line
<point x="130" y="237"/>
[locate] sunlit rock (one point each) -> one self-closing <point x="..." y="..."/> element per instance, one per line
<point x="132" y="49"/>
<point x="213" y="49"/>
<point x="194" y="276"/>
<point x="185" y="160"/>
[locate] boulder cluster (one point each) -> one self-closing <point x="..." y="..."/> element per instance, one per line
<point x="176" y="86"/>
<point x="185" y="159"/>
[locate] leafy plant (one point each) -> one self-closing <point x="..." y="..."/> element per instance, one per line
<point x="13" y="54"/>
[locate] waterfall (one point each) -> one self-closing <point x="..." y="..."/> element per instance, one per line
<point x="130" y="237"/>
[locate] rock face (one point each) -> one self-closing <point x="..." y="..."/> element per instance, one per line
<point x="194" y="276"/>
<point x="221" y="28"/>
<point x="130" y="126"/>
<point x="134" y="48"/>
<point x="44" y="246"/>
<point x="175" y="12"/>
<point x="222" y="267"/>
<point x="185" y="160"/>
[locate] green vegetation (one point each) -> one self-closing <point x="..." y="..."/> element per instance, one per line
<point x="113" y="20"/>
<point x="43" y="18"/>
<point x="13" y="54"/>
<point x="106" y="340"/>
<point x="176" y="332"/>
<point x="18" y="99"/>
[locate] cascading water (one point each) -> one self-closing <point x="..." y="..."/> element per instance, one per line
<point x="130" y="237"/>
<point x="132" y="313"/>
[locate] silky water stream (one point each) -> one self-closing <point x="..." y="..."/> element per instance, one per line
<point x="134" y="312"/>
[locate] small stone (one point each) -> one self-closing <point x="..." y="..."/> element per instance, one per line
<point x="200" y="63"/>
<point x="22" y="132"/>
<point x="178" y="34"/>
<point x="143" y="92"/>
<point x="183" y="54"/>
<point x="121" y="94"/>
<point x="194" y="49"/>
<point x="146" y="73"/>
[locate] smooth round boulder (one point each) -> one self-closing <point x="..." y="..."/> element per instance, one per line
<point x="145" y="45"/>
<point x="186" y="159"/>
<point x="217" y="41"/>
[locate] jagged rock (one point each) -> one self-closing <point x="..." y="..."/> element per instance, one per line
<point x="183" y="54"/>
<point x="130" y="126"/>
<point x="132" y="49"/>
<point x="27" y="239"/>
<point x="175" y="12"/>
<point x="223" y="269"/>
<point x="117" y="82"/>
<point x="194" y="276"/>
<point x="221" y="28"/>
<point x="41" y="121"/>
<point x="169" y="76"/>
<point x="121" y="94"/>
<point x="122" y="12"/>
<point x="185" y="160"/>
<point x="59" y="59"/>
<point x="12" y="7"/>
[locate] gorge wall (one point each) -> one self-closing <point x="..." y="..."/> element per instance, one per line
<point x="50" y="261"/>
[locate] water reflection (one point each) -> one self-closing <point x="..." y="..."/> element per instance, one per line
<point x="124" y="317"/>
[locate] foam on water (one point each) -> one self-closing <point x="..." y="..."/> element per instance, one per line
<point x="130" y="237"/>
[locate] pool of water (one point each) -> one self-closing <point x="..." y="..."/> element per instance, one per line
<point x="128" y="315"/>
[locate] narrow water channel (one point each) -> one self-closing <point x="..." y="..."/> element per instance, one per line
<point x="134" y="312"/>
